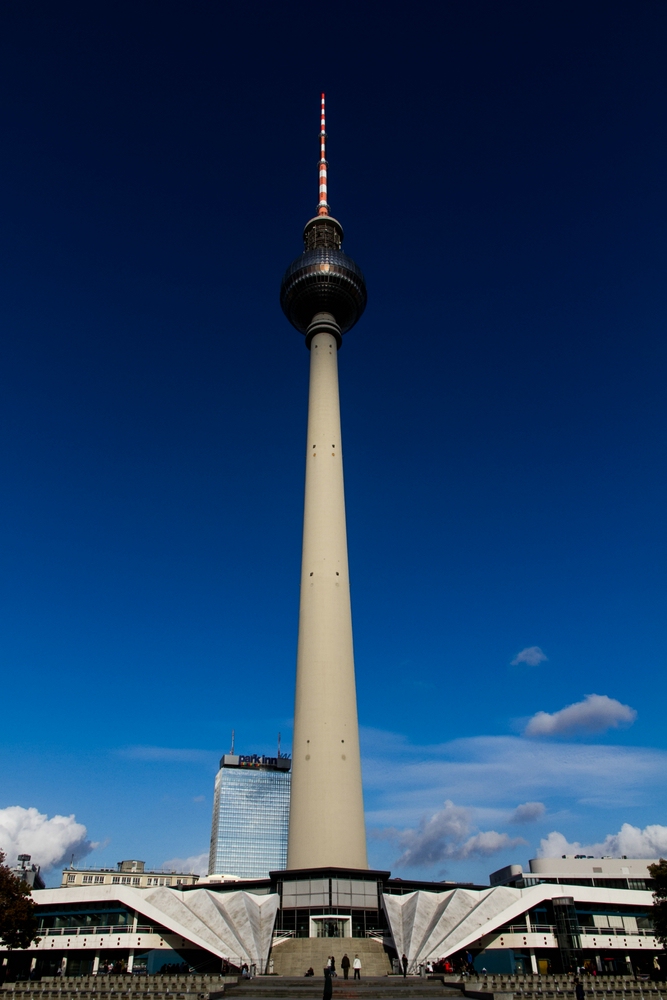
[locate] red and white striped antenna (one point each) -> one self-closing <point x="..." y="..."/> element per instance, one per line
<point x="323" y="205"/>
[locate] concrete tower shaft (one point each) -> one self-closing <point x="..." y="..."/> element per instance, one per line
<point x="323" y="294"/>
<point x="327" y="812"/>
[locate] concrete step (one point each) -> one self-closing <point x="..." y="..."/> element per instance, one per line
<point x="371" y="988"/>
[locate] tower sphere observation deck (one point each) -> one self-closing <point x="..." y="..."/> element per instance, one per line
<point x="323" y="279"/>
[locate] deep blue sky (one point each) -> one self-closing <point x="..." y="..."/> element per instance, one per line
<point x="501" y="173"/>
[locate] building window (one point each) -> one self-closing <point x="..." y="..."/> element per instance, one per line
<point x="115" y="879"/>
<point x="136" y="881"/>
<point x="167" y="881"/>
<point x="125" y="880"/>
<point x="99" y="879"/>
<point x="71" y="878"/>
<point x="87" y="879"/>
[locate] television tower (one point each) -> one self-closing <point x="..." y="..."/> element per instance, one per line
<point x="323" y="294"/>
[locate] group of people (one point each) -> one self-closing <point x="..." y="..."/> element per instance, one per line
<point x="330" y="972"/>
<point x="345" y="964"/>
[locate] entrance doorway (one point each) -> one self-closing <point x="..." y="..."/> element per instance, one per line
<point x="330" y="927"/>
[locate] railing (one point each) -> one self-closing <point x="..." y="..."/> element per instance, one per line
<point x="597" y="931"/>
<point x="524" y="929"/>
<point x="621" y="931"/>
<point x="91" y="930"/>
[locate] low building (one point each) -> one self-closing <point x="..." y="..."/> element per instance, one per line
<point x="132" y="873"/>
<point x="561" y="914"/>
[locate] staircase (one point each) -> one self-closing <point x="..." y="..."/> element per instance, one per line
<point x="371" y="988"/>
<point x="294" y="956"/>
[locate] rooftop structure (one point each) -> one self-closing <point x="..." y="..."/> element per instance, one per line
<point x="28" y="872"/>
<point x="577" y="869"/>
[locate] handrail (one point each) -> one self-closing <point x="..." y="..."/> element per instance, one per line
<point x="92" y="929"/>
<point x="597" y="931"/>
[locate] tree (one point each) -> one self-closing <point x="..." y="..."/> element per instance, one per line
<point x="18" y="922"/>
<point x="658" y="872"/>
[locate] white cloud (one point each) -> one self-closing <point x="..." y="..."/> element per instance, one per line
<point x="197" y="864"/>
<point x="529" y="812"/>
<point x="448" y="834"/>
<point x="531" y="655"/>
<point x="488" y="842"/>
<point x="594" y="714"/>
<point x="49" y="842"/>
<point x="631" y="841"/>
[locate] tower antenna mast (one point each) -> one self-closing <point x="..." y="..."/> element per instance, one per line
<point x="323" y="204"/>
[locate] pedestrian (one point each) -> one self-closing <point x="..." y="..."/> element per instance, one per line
<point x="345" y="965"/>
<point x="579" y="991"/>
<point x="357" y="967"/>
<point x="328" y="984"/>
<point x="333" y="968"/>
<point x="404" y="963"/>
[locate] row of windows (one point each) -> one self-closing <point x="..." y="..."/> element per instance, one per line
<point x="122" y="880"/>
<point x="362" y="921"/>
<point x="644" y="884"/>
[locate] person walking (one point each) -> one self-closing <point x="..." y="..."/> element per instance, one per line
<point x="328" y="984"/>
<point x="404" y="963"/>
<point x="333" y="968"/>
<point x="579" y="990"/>
<point x="357" y="967"/>
<point x="345" y="965"/>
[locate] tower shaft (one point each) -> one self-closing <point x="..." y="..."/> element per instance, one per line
<point x="326" y="811"/>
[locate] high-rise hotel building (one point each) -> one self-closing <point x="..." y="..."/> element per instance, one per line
<point x="250" y="816"/>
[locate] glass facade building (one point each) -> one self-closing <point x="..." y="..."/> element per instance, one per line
<point x="250" y="816"/>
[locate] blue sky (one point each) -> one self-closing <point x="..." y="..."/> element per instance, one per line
<point x="500" y="173"/>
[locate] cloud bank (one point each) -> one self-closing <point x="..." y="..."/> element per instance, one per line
<point x="403" y="781"/>
<point x="531" y="656"/>
<point x="448" y="834"/>
<point x="49" y="842"/>
<point x="168" y="755"/>
<point x="594" y="714"/>
<point x="631" y="841"/>
<point x="196" y="864"/>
